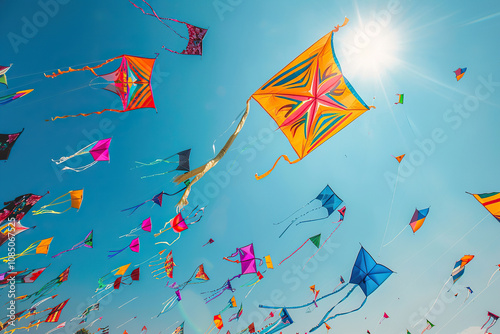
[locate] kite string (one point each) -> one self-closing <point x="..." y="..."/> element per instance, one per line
<point x="390" y="211"/>
<point x="294" y="212"/>
<point x="322" y="244"/>
<point x="293" y="252"/>
<point x="396" y="236"/>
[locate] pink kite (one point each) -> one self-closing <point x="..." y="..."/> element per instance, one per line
<point x="145" y="226"/>
<point x="134" y="247"/>
<point x="99" y="151"/>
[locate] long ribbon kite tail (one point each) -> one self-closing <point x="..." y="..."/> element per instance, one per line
<point x="88" y="114"/>
<point x="86" y="68"/>
<point x="294" y="213"/>
<point x="338" y="315"/>
<point x="200" y="171"/>
<point x="289" y="256"/>
<point x="269" y="171"/>
<point x="116" y="252"/>
<point x="492" y="277"/>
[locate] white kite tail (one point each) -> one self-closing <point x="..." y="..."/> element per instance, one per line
<point x="489" y="282"/>
<point x="433" y="304"/>
<point x="82" y="151"/>
<point x="396" y="236"/>
<point x="82" y="168"/>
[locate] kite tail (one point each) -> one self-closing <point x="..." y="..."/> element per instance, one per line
<point x="68" y="250"/>
<point x="87" y="114"/>
<point x="339" y="314"/>
<point x="42" y="211"/>
<point x="82" y="168"/>
<point x="116" y="252"/>
<point x="199" y="172"/>
<point x="310" y="220"/>
<point x="269" y="171"/>
<point x="159" y="18"/>
<point x="293" y="253"/>
<point x="157" y="161"/>
<point x="322" y="245"/>
<point x="157" y="174"/>
<point x="336" y="29"/>
<point x="85" y="68"/>
<point x="430" y="309"/>
<point x="492" y="324"/>
<point x="396" y="236"/>
<point x="170" y="244"/>
<point x="134" y="208"/>
<point x="487" y="285"/>
<point x="80" y="152"/>
<point x="294" y="213"/>
<point x="233" y="261"/>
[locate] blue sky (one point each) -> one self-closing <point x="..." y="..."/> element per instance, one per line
<point x="388" y="47"/>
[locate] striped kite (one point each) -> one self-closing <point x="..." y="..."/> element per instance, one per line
<point x="491" y="202"/>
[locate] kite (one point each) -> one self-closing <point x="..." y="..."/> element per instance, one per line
<point x="366" y="273"/>
<point x="230" y="304"/>
<point x="25" y="276"/>
<point x="218" y="322"/>
<point x="134" y="247"/>
<point x="157" y="199"/>
<point x="145" y="226"/>
<point x="459" y="268"/>
<point x="269" y="262"/>
<point x="144" y="330"/>
<point x="199" y="274"/>
<point x="469" y="292"/>
<point x="496" y="270"/>
<point x="491" y="202"/>
<point x="179" y="329"/>
<point x="182" y="163"/>
<point x="18" y="208"/>
<point x="342" y="281"/>
<point x="131" y="82"/>
<point x="385" y="316"/>
<point x="61" y="325"/>
<point x="282" y="322"/>
<point x="329" y="200"/>
<point x="7" y="141"/>
<point x="342" y="216"/>
<point x="134" y="276"/>
<point x="11" y="97"/>
<point x="87" y="242"/>
<point x="3" y="76"/>
<point x="429" y="326"/>
<point x="314" y="239"/>
<point x="416" y="222"/>
<point x="490" y="317"/>
<point x="39" y="247"/>
<point x="196" y="34"/>
<point x="399" y="158"/>
<point x="76" y="198"/>
<point x="459" y="73"/>
<point x="93" y="307"/>
<point x="50" y="285"/>
<point x="401" y="98"/>
<point x="98" y="149"/>
<point x="168" y="266"/>
<point x="309" y="99"/>
<point x="8" y="231"/>
<point x="209" y="242"/>
<point x="179" y="224"/>
<point x="120" y="271"/>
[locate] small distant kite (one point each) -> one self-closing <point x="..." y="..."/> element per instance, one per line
<point x="196" y="34"/>
<point x="284" y="320"/>
<point x="25" y="276"/>
<point x="179" y="329"/>
<point x="182" y="163"/>
<point x="134" y="276"/>
<point x="87" y="242"/>
<point x="11" y="97"/>
<point x="459" y="73"/>
<point x="429" y="326"/>
<point x="134" y="247"/>
<point x="131" y="82"/>
<point x="329" y="200"/>
<point x="120" y="271"/>
<point x="494" y="319"/>
<point x="7" y="141"/>
<point x="157" y="199"/>
<point x="491" y="202"/>
<point x="98" y="149"/>
<point x="385" y="316"/>
<point x="49" y="286"/>
<point x="399" y="157"/>
<point x="469" y="292"/>
<point x="269" y="262"/>
<point x="168" y="267"/>
<point x="3" y="76"/>
<point x="401" y="98"/>
<point x="237" y="315"/>
<point x="76" y="198"/>
<point x="209" y="242"/>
